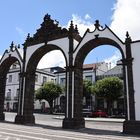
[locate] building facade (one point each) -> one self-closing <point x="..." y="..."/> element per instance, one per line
<point x="12" y="85"/>
<point x="91" y="72"/>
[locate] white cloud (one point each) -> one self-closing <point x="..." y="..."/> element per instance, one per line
<point x="126" y="18"/>
<point x="22" y="33"/>
<point x="87" y="16"/>
<point x="82" y="24"/>
<point x="54" y="58"/>
<point x="113" y="59"/>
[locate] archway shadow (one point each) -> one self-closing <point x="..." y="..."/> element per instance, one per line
<point x="90" y="131"/>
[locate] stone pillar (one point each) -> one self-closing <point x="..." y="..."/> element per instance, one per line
<point x="130" y="84"/>
<point x="26" y="96"/>
<point x="73" y="116"/>
<point x="130" y="126"/>
<point x="125" y="90"/>
<point x="19" y="119"/>
<point x="2" y="97"/>
<point x="26" y="100"/>
<point x="29" y="98"/>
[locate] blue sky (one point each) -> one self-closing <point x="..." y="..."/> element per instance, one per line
<point x="21" y="17"/>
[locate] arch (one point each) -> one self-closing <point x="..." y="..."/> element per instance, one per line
<point x="31" y="66"/>
<point x="88" y="46"/>
<point x="4" y="68"/>
<point x="78" y="69"/>
<point x="39" y="53"/>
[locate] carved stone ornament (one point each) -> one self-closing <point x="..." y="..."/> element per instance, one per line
<point x="49" y="30"/>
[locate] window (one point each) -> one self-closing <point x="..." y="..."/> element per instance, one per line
<point x="14" y="66"/>
<point x="17" y="93"/>
<point x="44" y="79"/>
<point x="18" y="77"/>
<point x="88" y="77"/>
<point x="36" y="78"/>
<point x="62" y="81"/>
<point x="9" y="94"/>
<point x="10" y="79"/>
<point x="52" y="80"/>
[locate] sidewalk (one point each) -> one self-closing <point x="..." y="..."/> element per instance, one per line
<point x="118" y="120"/>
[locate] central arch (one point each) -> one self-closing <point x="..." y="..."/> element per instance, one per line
<point x="29" y="75"/>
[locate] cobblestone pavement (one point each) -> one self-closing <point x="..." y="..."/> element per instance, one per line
<point x="44" y="132"/>
<point x="47" y="128"/>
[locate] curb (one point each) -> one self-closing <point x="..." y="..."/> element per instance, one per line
<point x="97" y="119"/>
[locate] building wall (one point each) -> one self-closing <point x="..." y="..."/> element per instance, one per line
<point x="136" y="77"/>
<point x="89" y="75"/>
<point x="12" y="87"/>
<point x="102" y="68"/>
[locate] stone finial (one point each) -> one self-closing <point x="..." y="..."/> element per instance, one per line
<point x="97" y="24"/>
<point x="128" y="38"/>
<point x="76" y="29"/>
<point x="127" y="35"/>
<point x="12" y="46"/>
<point x="12" y="43"/>
<point x="18" y="46"/>
<point x="71" y="26"/>
<point x="27" y="40"/>
<point x="88" y="30"/>
<point x="28" y="36"/>
<point x="47" y="17"/>
<point x="57" y="22"/>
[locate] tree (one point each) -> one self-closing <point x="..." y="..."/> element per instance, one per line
<point x="87" y="91"/>
<point x="110" y="88"/>
<point x="49" y="91"/>
<point x="87" y="88"/>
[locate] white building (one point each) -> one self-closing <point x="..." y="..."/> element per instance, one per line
<point x="12" y="85"/>
<point x="90" y="72"/>
<point x="55" y="74"/>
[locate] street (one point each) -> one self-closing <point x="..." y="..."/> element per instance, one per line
<point x="47" y="127"/>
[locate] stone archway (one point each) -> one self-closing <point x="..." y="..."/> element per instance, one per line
<point x="77" y="76"/>
<point x="77" y="120"/>
<point x="51" y="37"/>
<point x="89" y="41"/>
<point x="82" y="53"/>
<point x="29" y="82"/>
<point x="4" y="68"/>
<point x="47" y="38"/>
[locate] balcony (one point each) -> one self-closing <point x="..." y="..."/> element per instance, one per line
<point x="7" y="98"/>
<point x="16" y="98"/>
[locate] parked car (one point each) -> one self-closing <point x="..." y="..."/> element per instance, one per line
<point x="99" y="113"/>
<point x="87" y="112"/>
